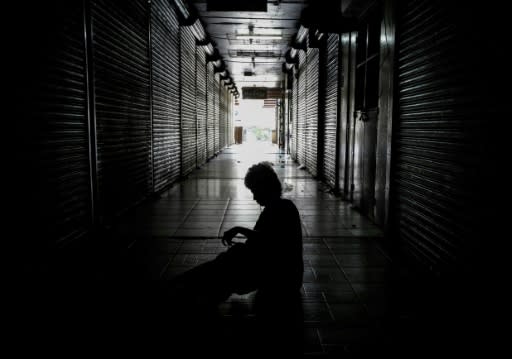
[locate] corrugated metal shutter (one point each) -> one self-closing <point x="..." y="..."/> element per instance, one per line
<point x="122" y="86"/>
<point x="52" y="172"/>
<point x="166" y="94"/>
<point x="231" y="133"/>
<point x="434" y="154"/>
<point x="223" y="118"/>
<point x="216" y="106"/>
<point x="188" y="101"/>
<point x="210" y="110"/>
<point x="331" y="151"/>
<point x="312" y="110"/>
<point x="293" y="115"/>
<point x="228" y="117"/>
<point x="301" y="109"/>
<point x="201" y="99"/>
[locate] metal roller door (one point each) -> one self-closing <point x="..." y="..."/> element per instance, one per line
<point x="210" y="110"/>
<point x="165" y="96"/>
<point x="293" y="116"/>
<point x="122" y="92"/>
<point x="188" y="101"/>
<point x="231" y="132"/>
<point x="228" y="118"/>
<point x="201" y="106"/>
<point x="301" y="109"/>
<point x="435" y="155"/>
<point x="216" y="104"/>
<point x="223" y="118"/>
<point x="228" y="115"/>
<point x="312" y="110"/>
<point x="52" y="173"/>
<point x="330" y="151"/>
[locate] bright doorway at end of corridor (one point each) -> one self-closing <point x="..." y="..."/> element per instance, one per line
<point x="255" y="123"/>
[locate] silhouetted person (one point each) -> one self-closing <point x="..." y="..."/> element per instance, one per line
<point x="269" y="261"/>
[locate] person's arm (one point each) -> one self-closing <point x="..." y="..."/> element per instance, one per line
<point x="227" y="238"/>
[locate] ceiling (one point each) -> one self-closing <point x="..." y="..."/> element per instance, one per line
<point x="253" y="43"/>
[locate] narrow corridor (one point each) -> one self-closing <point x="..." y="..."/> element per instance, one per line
<point x="354" y="298"/>
<point x="122" y="173"/>
<point x="345" y="268"/>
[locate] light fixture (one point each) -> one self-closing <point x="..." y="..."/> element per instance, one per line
<point x="262" y="34"/>
<point x="258" y="37"/>
<point x="198" y="30"/>
<point x="183" y="9"/>
<point x="301" y="34"/>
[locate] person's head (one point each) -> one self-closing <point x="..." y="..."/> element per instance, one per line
<point x="263" y="182"/>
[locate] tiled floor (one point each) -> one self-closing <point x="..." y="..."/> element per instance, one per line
<point x="344" y="261"/>
<point x="356" y="301"/>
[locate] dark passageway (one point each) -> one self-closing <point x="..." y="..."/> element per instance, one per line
<point x="127" y="152"/>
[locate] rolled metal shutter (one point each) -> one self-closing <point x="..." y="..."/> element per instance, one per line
<point x="434" y="155"/>
<point x="201" y="106"/>
<point x="166" y="94"/>
<point x="188" y="101"/>
<point x="231" y="133"/>
<point x="227" y="116"/>
<point x="216" y="104"/>
<point x="53" y="170"/>
<point x="293" y="115"/>
<point x="312" y="110"/>
<point x="210" y="111"/>
<point x="331" y="111"/>
<point x="301" y="109"/>
<point x="223" y="118"/>
<point x="122" y="89"/>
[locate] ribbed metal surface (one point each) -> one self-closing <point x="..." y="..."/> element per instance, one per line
<point x="216" y="106"/>
<point x="210" y="110"/>
<point x="331" y="110"/>
<point x="293" y="116"/>
<point x="433" y="156"/>
<point x="121" y="69"/>
<point x="312" y="110"/>
<point x="301" y="109"/>
<point x="231" y="132"/>
<point x="228" y="119"/>
<point x="57" y="161"/>
<point x="188" y="100"/>
<point x="223" y="118"/>
<point x="201" y="106"/>
<point x="166" y="94"/>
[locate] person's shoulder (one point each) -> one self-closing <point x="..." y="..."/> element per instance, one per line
<point x="286" y="203"/>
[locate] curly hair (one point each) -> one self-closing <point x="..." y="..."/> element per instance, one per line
<point x="262" y="176"/>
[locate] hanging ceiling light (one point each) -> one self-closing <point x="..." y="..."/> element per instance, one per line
<point x="301" y="34"/>
<point x="183" y="9"/>
<point x="198" y="31"/>
<point x="263" y="34"/>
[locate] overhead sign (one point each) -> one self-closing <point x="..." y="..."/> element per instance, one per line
<point x="261" y="93"/>
<point x="254" y="93"/>
<point x="275" y="92"/>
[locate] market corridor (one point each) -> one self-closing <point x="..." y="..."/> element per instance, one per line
<point x="350" y="284"/>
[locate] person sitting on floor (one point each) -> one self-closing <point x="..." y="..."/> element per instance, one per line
<point x="270" y="261"/>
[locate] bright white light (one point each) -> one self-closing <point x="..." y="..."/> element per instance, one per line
<point x="251" y="113"/>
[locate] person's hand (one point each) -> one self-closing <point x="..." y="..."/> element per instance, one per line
<point x="227" y="238"/>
